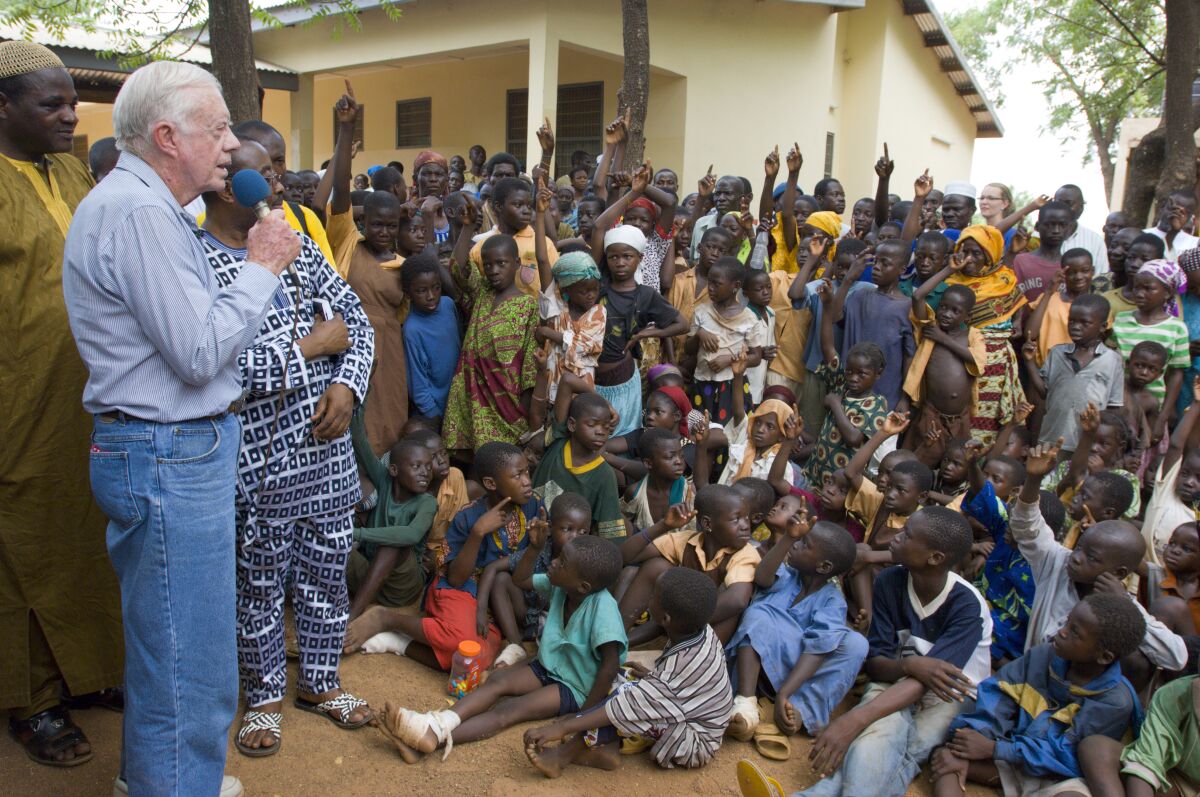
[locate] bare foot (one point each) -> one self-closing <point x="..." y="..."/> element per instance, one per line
<point x="548" y="761"/>
<point x="263" y="738"/>
<point x="365" y="626"/>
<point x="605" y="756"/>
<point x="388" y="724"/>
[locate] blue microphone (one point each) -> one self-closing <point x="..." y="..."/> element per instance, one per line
<point x="250" y="189"/>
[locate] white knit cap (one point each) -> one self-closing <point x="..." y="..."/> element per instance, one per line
<point x="960" y="187"/>
<point x="626" y="234"/>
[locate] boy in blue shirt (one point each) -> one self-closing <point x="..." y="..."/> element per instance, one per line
<point x="431" y="336"/>
<point x="582" y="646"/>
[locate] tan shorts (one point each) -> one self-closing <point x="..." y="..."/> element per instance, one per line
<point x="1016" y="783"/>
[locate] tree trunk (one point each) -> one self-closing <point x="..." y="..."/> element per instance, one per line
<point x="634" y="93"/>
<point x="233" y="57"/>
<point x="1179" y="162"/>
<point x="1142" y="174"/>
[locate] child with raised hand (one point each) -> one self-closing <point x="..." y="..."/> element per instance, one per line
<point x="928" y="648"/>
<point x="689" y="288"/>
<point x="881" y="316"/>
<point x="682" y="705"/>
<point x="1106" y="553"/>
<point x="1163" y="760"/>
<point x="1155" y="291"/>
<point x="386" y="566"/>
<point x="721" y="328"/>
<point x="664" y="485"/>
<point x="1105" y="441"/>
<point x="855" y="409"/>
<point x="942" y="379"/>
<point x="719" y="547"/>
<point x="793" y="646"/>
<point x="1049" y="323"/>
<point x="519" y="613"/>
<point x="431" y="336"/>
<point x="582" y="647"/>
<point x="1176" y="483"/>
<point x="486" y="530"/>
<point x="572" y="462"/>
<point x="643" y="206"/>
<point x="491" y="392"/>
<point x="1077" y="373"/>
<point x="930" y="256"/>
<point x="1015" y="735"/>
<point x="1176" y="598"/>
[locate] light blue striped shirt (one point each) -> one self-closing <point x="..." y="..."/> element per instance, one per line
<point x="160" y="339"/>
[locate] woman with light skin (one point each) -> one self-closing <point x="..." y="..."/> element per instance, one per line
<point x="996" y="205"/>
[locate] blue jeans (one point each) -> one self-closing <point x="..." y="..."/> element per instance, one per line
<point x="887" y="756"/>
<point x="168" y="491"/>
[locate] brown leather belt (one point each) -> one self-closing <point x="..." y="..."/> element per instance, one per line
<point x="117" y="415"/>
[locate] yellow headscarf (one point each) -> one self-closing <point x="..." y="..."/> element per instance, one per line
<point x="989" y="238"/>
<point x="782" y="412"/>
<point x="829" y="223"/>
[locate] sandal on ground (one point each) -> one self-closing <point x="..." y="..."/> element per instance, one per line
<point x="632" y="745"/>
<point x="112" y="699"/>
<point x="49" y="733"/>
<point x="259" y="721"/>
<point x="753" y="782"/>
<point x="769" y="741"/>
<point x="344" y="705"/>
<point x="389" y="726"/>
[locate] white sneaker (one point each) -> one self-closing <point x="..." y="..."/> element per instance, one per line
<point x="230" y="787"/>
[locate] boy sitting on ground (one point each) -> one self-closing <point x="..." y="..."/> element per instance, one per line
<point x="720" y="548"/>
<point x="1163" y="760"/>
<point x="664" y="485"/>
<point x="582" y="647"/>
<point x="1016" y="736"/>
<point x="683" y="704"/>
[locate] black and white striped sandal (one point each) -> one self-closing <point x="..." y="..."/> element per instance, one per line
<point x="259" y="721"/>
<point x="344" y="705"/>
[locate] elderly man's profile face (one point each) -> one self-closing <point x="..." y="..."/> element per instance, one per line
<point x="206" y="142"/>
<point x="41" y="117"/>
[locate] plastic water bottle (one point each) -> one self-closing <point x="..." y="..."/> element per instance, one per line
<point x="465" y="668"/>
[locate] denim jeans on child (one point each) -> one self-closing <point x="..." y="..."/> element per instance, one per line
<point x="167" y="489"/>
<point x="887" y="756"/>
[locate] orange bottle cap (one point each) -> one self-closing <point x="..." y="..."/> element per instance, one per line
<point x="469" y="648"/>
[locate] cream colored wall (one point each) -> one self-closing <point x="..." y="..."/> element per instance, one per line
<point x="95" y="121"/>
<point x="860" y="50"/>
<point x="277" y="109"/>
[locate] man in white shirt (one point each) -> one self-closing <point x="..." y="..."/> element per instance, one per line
<point x="1177" y="214"/>
<point x="1080" y="236"/>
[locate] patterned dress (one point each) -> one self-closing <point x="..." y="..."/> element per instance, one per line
<point x="495" y="367"/>
<point x="866" y="413"/>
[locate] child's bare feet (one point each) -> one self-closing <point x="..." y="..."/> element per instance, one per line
<point x="548" y="760"/>
<point x="605" y="756"/>
<point x="371" y="622"/>
<point x="389" y="723"/>
<point x="551" y="760"/>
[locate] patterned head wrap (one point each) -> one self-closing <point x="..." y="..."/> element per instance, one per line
<point x="662" y="369"/>
<point x="1189" y="261"/>
<point x="429" y="156"/>
<point x="680" y="400"/>
<point x="1170" y="275"/>
<point x="575" y="267"/>
<point x="626" y="234"/>
<point x="650" y="207"/>
<point x="21" y="58"/>
<point x="989" y="239"/>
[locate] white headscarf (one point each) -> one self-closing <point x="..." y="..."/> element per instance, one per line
<point x="626" y="234"/>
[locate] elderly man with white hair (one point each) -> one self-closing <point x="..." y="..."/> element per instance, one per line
<point x="161" y="340"/>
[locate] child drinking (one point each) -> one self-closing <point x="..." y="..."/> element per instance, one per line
<point x="493" y="386"/>
<point x="793" y="643"/>
<point x="721" y="328"/>
<point x="682" y="705"/>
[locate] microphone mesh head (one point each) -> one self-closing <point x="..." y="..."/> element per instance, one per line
<point x="250" y="188"/>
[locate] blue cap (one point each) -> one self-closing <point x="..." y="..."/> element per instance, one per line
<point x="371" y="171"/>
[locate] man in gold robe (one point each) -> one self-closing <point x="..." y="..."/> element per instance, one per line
<point x="60" y="618"/>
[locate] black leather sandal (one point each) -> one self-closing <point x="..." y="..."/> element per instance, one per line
<point x="49" y="734"/>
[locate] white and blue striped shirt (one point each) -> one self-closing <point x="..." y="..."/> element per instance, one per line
<point x="159" y="337"/>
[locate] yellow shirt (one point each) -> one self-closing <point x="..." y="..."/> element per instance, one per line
<point x="792" y="328"/>
<point x="914" y="382"/>
<point x="784" y="259"/>
<point x="739" y="564"/>
<point x="866" y="502"/>
<point x="47" y="192"/>
<point x="527" y="278"/>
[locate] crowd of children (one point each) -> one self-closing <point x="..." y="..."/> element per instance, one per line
<point x="921" y="489"/>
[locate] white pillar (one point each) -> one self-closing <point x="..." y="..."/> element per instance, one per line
<point x="543" y="88"/>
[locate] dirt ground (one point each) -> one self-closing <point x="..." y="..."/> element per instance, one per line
<point x="318" y="758"/>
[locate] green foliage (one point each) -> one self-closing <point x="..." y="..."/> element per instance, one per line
<point x="136" y="31"/>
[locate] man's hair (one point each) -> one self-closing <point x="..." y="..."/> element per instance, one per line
<point x="900" y="213"/>
<point x="593" y="199"/>
<point x="936" y="238"/>
<point x="919" y="471"/>
<point x="599" y="561"/>
<point x="1053" y="511"/>
<point x="689" y="597"/>
<point x="1120" y="623"/>
<point x="870" y="352"/>
<point x="759" y="494"/>
<point x="1150" y="239"/>
<point x="499" y="241"/>
<point x="961" y="291"/>
<point x="654" y="439"/>
<point x="102" y="150"/>
<point x="357" y="198"/>
<point x="1123" y="538"/>
<point x="402" y="447"/>
<point x="822" y="186"/>
<point x="730" y="266"/>
<point x="1151" y="347"/>
<point x="386" y="179"/>
<point x="506" y="187"/>
<point x="1077" y="253"/>
<point x="570" y="502"/>
<point x="1053" y="205"/>
<point x="835" y="544"/>
<point x="850" y="248"/>
<point x="425" y="437"/>
<point x="377" y="201"/>
<point x="491" y="457"/>
<point x="1094" y="302"/>
<point x="397" y="165"/>
<point x="501" y="157"/>
<point x="416" y="266"/>
<point x="255" y="129"/>
<point x="716" y="230"/>
<point x="584" y="403"/>
<point x="1116" y="492"/>
<point x="159" y="91"/>
<point x="711" y="497"/>
<point x="946" y="531"/>
<point x="579" y="156"/>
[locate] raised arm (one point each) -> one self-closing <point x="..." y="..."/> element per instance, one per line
<point x="812" y="259"/>
<point x="794" y="161"/>
<point x="606" y="220"/>
<point x="614" y="135"/>
<point x="1089" y="424"/>
<point x="704" y="190"/>
<point x="1181" y="437"/>
<point x="793" y="427"/>
<point x="893" y="424"/>
<point x="883" y="168"/>
<point x="541" y="205"/>
<point x="771" y="171"/>
<point x="460" y="258"/>
<point x="798" y="526"/>
<point x="912" y="222"/>
<point x="1008" y="222"/>
<point x="921" y="294"/>
<point x="346" y="111"/>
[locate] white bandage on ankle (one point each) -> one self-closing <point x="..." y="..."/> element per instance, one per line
<point x="511" y="655"/>
<point x="747" y="707"/>
<point x="443" y="724"/>
<point x="387" y="642"/>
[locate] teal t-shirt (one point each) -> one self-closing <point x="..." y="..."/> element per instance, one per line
<point x="572" y="653"/>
